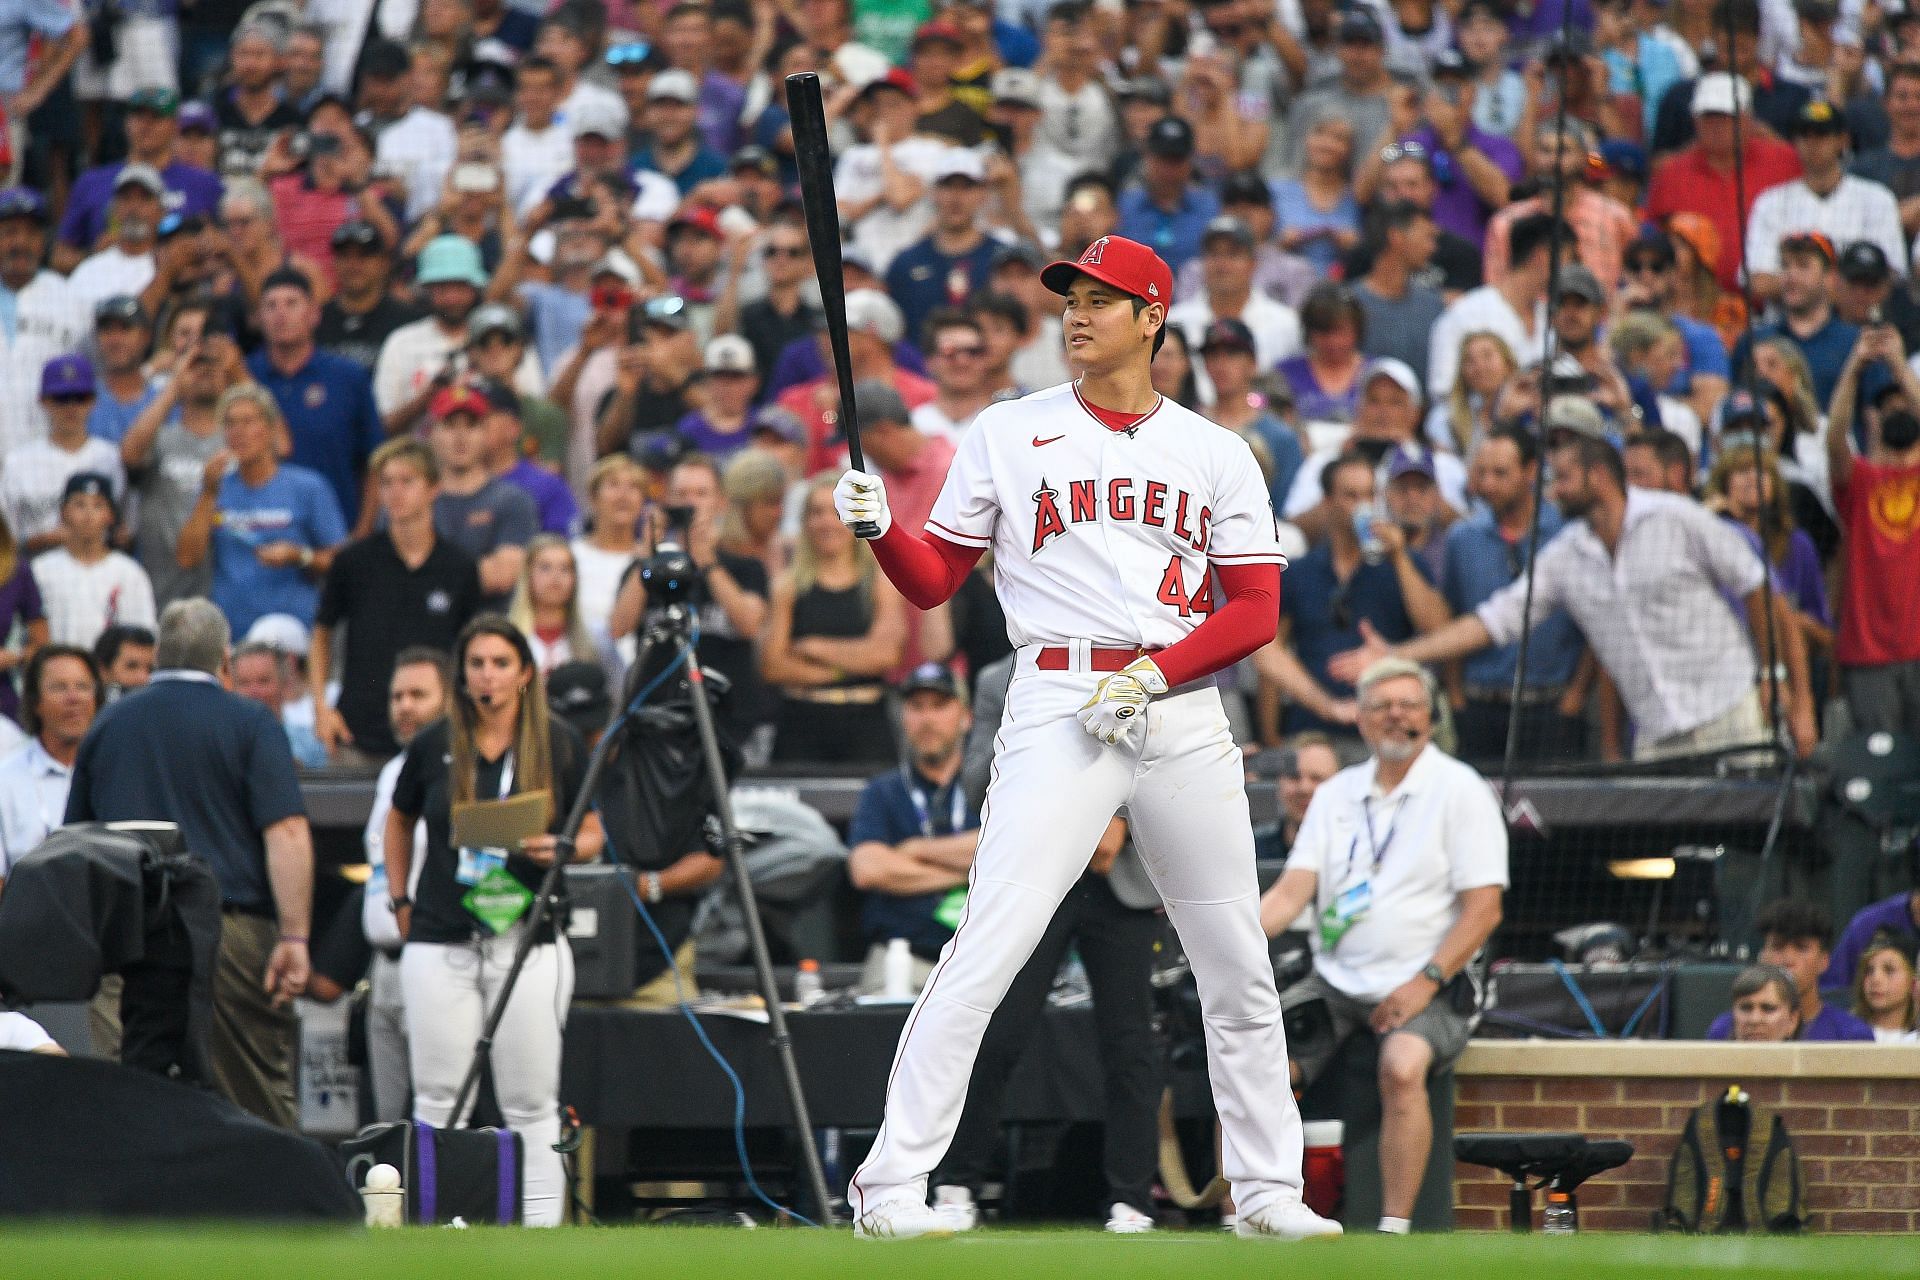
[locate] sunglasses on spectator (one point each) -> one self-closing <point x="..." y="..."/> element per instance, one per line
<point x="786" y="251"/>
<point x="624" y="54"/>
<point x="72" y="397"/>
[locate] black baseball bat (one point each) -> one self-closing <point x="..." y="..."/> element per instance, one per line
<point x="815" y="161"/>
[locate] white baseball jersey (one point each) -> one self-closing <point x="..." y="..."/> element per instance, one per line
<point x="1104" y="535"/>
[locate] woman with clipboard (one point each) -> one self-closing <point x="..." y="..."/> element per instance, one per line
<point x="494" y="781"/>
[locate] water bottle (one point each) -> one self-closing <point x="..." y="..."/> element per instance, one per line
<point x="1557" y="1219"/>
<point x="807" y="991"/>
<point x="1372" y="550"/>
<point x="897" y="974"/>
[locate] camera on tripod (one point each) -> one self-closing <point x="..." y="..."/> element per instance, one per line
<point x="669" y="574"/>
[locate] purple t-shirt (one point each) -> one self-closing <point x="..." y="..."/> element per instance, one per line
<point x="1545" y="19"/>
<point x="1456" y="207"/>
<point x="1800" y="579"/>
<point x="1312" y="402"/>
<point x="1890" y="914"/>
<point x="1828" y="1024"/>
<point x="718" y="112"/>
<point x="558" y="510"/>
<point x="190" y="189"/>
<point x="702" y="435"/>
<point x="19" y="602"/>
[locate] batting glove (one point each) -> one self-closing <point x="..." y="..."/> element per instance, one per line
<point x="861" y="498"/>
<point x="1120" y="701"/>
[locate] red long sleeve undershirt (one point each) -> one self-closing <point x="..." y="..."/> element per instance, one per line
<point x="929" y="569"/>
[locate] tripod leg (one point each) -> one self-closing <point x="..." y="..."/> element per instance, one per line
<point x="756" y="936"/>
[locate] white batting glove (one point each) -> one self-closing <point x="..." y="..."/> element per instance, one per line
<point x="861" y="498"/>
<point x="1119" y="702"/>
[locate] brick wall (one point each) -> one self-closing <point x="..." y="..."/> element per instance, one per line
<point x="1853" y="1112"/>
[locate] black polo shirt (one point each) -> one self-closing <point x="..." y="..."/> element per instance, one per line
<point x="359" y="337"/>
<point x="423" y="790"/>
<point x="388" y="607"/>
<point x="186" y="751"/>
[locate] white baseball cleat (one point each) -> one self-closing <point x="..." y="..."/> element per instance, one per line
<point x="1125" y="1220"/>
<point x="954" y="1206"/>
<point x="900" y="1220"/>
<point x="1286" y="1221"/>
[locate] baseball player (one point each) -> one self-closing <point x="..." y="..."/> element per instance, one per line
<point x="1135" y="556"/>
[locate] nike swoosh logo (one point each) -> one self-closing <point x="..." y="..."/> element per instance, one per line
<point x="1037" y="441"/>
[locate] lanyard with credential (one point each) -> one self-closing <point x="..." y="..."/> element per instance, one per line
<point x="923" y="811"/>
<point x="1379" y="850"/>
<point x="506" y="775"/>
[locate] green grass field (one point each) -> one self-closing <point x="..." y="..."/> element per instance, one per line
<point x="58" y="1253"/>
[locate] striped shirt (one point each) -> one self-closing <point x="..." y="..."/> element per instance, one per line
<point x="1857" y="209"/>
<point x="36" y="475"/>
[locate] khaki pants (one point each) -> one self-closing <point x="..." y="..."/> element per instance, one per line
<point x="252" y="1045"/>
<point x="103" y="1018"/>
<point x="660" y="992"/>
<point x="1741" y="725"/>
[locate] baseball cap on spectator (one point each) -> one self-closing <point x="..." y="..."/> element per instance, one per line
<point x="1394" y="370"/>
<point x="197" y="117"/>
<point x="958" y="162"/>
<point x="385" y="60"/>
<point x="1576" y="415"/>
<point x="755" y="157"/>
<point x="1016" y="85"/>
<point x="1864" y="262"/>
<point x="68" y="375"/>
<point x="1358" y="26"/>
<point x="943" y="32"/>
<point x="615" y="262"/>
<point x="140" y="175"/>
<point x="1151" y="89"/>
<point x="120" y="309"/>
<point x="1721" y="93"/>
<point x="729" y="353"/>
<point x="1246" y="188"/>
<point x="1628" y="159"/>
<point x="577" y="693"/>
<point x="89" y="482"/>
<point x="878" y="402"/>
<point x="1020" y="253"/>
<point x="451" y="260"/>
<point x="1410" y="459"/>
<point x="1700" y="235"/>
<point x="931" y="677"/>
<point x="893" y="78"/>
<point x="873" y="312"/>
<point x="1577" y="280"/>
<point x="494" y="317"/>
<point x="489" y="84"/>
<point x="1170" y="138"/>
<point x="598" y="117"/>
<point x="281" y="631"/>
<point x="458" y="398"/>
<point x="697" y="217"/>
<point x="358" y="234"/>
<point x="1809" y="242"/>
<point x="1816" y="117"/>
<point x="1228" y="227"/>
<point x="676" y="85"/>
<point x="1742" y="409"/>
<point x="23" y="202"/>
<point x="1227" y="335"/>
<point x="780" y="422"/>
<point x="158" y="99"/>
<point x="1127" y="265"/>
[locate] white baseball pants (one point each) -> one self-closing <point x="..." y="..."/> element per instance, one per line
<point x="449" y="988"/>
<point x="387" y="1039"/>
<point x="1052" y="792"/>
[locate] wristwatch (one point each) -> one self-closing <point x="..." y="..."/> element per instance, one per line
<point x="1435" y="974"/>
<point x="399" y="902"/>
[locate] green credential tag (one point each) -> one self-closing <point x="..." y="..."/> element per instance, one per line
<point x="498" y="900"/>
<point x="951" y="908"/>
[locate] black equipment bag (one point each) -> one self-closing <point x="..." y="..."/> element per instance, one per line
<point x="471" y="1174"/>
<point x="1718" y="1184"/>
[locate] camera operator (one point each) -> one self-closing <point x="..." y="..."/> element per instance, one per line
<point x="497" y="741"/>
<point x="1404" y="858"/>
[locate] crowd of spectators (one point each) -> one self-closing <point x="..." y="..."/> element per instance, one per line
<point x="1578" y="334"/>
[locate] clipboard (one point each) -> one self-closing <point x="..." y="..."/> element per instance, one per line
<point x="502" y="824"/>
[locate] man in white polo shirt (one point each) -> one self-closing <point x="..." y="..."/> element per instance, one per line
<point x="1404" y="861"/>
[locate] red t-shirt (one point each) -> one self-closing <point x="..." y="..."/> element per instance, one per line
<point x="1686" y="183"/>
<point x="1880" y="614"/>
<point x="817" y="404"/>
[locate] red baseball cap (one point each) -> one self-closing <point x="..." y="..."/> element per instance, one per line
<point x="457" y="399"/>
<point x="1127" y="265"/>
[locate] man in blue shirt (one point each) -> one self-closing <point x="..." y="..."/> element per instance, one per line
<point x="677" y="150"/>
<point x="1167" y="209"/>
<point x="1798" y="936"/>
<point x="1483" y="553"/>
<point x="327" y="399"/>
<point x="226" y="776"/>
<point x="1809" y="320"/>
<point x="151" y="136"/>
<point x="955" y="259"/>
<point x="913" y="833"/>
<point x="1651" y="280"/>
